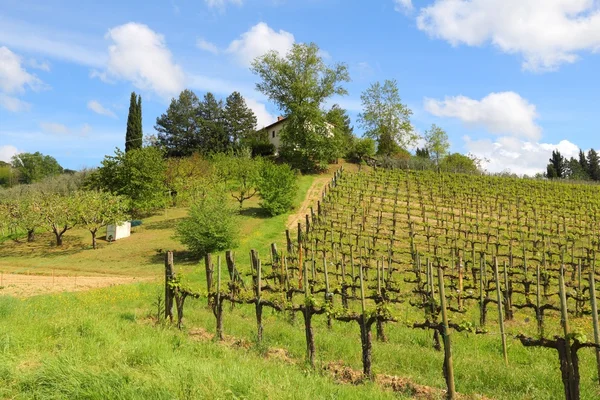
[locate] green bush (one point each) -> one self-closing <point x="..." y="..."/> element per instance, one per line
<point x="362" y="148"/>
<point x="277" y="188"/>
<point x="210" y="227"/>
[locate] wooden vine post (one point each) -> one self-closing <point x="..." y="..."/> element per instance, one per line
<point x="500" y="313"/>
<point x="169" y="293"/>
<point x="592" y="283"/>
<point x="218" y="306"/>
<point x="448" y="366"/>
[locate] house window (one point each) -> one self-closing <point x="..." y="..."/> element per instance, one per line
<point x="273" y="134"/>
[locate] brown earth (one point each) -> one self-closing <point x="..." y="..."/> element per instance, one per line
<point x="32" y="285"/>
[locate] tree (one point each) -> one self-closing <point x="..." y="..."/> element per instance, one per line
<point x="33" y="167"/>
<point x="362" y="149"/>
<point x="277" y="187"/>
<point x="241" y="174"/>
<point x="214" y="136"/>
<point x="343" y="132"/>
<point x="583" y="161"/>
<point x="423" y="153"/>
<point x="179" y="129"/>
<point x="60" y="213"/>
<point x="436" y="143"/>
<point x="138" y="175"/>
<point x="386" y="119"/>
<point x="593" y="162"/>
<point x="26" y="214"/>
<point x="556" y="168"/>
<point x="299" y="83"/>
<point x="134" y="135"/>
<point x="97" y="209"/>
<point x="457" y="162"/>
<point x="211" y="225"/>
<point x="239" y="119"/>
<point x="574" y="171"/>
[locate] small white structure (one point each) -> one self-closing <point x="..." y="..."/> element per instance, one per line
<point x="116" y="232"/>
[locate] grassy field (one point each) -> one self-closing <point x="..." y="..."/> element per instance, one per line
<point x="105" y="343"/>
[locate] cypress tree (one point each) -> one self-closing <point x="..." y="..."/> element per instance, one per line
<point x="134" y="135"/>
<point x="593" y="165"/>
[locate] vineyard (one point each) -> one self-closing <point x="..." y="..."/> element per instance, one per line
<point x="496" y="257"/>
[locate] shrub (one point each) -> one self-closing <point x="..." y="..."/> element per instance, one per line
<point x="362" y="149"/>
<point x="277" y="188"/>
<point x="210" y="227"/>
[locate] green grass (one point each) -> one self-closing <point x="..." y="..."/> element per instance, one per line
<point x="102" y="343"/>
<point x="139" y="255"/>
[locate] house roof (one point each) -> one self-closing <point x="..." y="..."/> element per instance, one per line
<point x="279" y="121"/>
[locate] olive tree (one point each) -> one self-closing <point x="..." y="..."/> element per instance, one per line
<point x="97" y="209"/>
<point x="60" y="214"/>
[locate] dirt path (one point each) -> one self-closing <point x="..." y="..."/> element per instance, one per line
<point x="33" y="285"/>
<point x="314" y="194"/>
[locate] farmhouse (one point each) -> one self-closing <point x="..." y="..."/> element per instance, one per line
<point x="274" y="131"/>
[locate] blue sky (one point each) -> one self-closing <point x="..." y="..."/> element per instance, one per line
<point x="509" y="80"/>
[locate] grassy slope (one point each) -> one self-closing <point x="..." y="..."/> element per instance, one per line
<point x="100" y="344"/>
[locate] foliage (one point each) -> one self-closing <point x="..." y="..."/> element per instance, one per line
<point x="239" y="119"/>
<point x="185" y="178"/>
<point x="8" y="177"/>
<point x="385" y="118"/>
<point x="60" y="213"/>
<point x="138" y="175"/>
<point x="457" y="162"/>
<point x="593" y="164"/>
<point x="211" y="225"/>
<point x="423" y="153"/>
<point x="277" y="187"/>
<point x="299" y="83"/>
<point x="556" y="168"/>
<point x="214" y="134"/>
<point x="362" y="149"/>
<point x="25" y="214"/>
<point x="33" y="167"/>
<point x="258" y="143"/>
<point x="97" y="209"/>
<point x="179" y="128"/>
<point x="240" y="173"/>
<point x="436" y="143"/>
<point x="343" y="132"/>
<point x="134" y="135"/>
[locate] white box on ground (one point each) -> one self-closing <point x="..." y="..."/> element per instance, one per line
<point x="116" y="232"/>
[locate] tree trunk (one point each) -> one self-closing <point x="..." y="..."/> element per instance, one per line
<point x="381" y="331"/>
<point x="94" y="239"/>
<point x="59" y="240"/>
<point x="30" y="235"/>
<point x="571" y="385"/>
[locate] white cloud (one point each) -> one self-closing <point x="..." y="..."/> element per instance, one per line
<point x="205" y="45"/>
<point x="263" y="117"/>
<point x="546" y="33"/>
<point x="13" y="77"/>
<point x="259" y="40"/>
<point x="222" y="3"/>
<point x="98" y="108"/>
<point x="510" y="154"/>
<point x="500" y="113"/>
<point x="7" y="152"/>
<point x="61" y="129"/>
<point x="13" y="104"/>
<point x="67" y="46"/>
<point x="140" y="55"/>
<point x="55" y="128"/>
<point x="41" y="65"/>
<point x="403" y="5"/>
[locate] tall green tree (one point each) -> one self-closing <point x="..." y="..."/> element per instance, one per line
<point x="180" y="127"/>
<point x="436" y="142"/>
<point x="343" y="131"/>
<point x="386" y="119"/>
<point x="33" y="167"/>
<point x="574" y="171"/>
<point x="239" y="119"/>
<point x="134" y="135"/>
<point x="457" y="162"/>
<point x="214" y="137"/>
<point x="556" y="168"/>
<point x="299" y="83"/>
<point x="583" y="161"/>
<point x="593" y="162"/>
